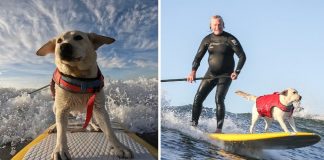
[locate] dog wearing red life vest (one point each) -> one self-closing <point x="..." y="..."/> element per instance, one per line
<point x="77" y="87"/>
<point x="278" y="106"/>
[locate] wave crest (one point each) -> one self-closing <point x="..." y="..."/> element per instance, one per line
<point x="134" y="103"/>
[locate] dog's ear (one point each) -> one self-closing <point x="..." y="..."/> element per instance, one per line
<point x="285" y="92"/>
<point x="49" y="47"/>
<point x="98" y="40"/>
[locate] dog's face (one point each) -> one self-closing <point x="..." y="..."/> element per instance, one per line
<point x="74" y="48"/>
<point x="288" y="96"/>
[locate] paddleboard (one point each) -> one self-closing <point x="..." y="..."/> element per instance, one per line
<point x="87" y="145"/>
<point x="277" y="140"/>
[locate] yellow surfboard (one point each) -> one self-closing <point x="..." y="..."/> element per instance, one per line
<point x="277" y="140"/>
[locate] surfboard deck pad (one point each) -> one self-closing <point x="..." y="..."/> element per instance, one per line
<point x="83" y="145"/>
<point x="87" y="145"/>
<point x="277" y="140"/>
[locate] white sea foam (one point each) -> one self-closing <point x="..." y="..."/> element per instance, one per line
<point x="173" y="120"/>
<point x="181" y="122"/>
<point x="307" y="114"/>
<point x="134" y="103"/>
<point x="23" y="116"/>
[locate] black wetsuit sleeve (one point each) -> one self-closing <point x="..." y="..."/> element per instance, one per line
<point x="236" y="46"/>
<point x="200" y="53"/>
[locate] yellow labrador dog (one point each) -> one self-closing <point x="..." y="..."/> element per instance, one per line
<point x="276" y="106"/>
<point x="78" y="80"/>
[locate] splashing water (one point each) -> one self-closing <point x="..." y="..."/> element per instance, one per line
<point x="187" y="142"/>
<point x="134" y="103"/>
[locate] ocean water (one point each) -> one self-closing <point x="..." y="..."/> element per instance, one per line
<point x="179" y="140"/>
<point x="134" y="103"/>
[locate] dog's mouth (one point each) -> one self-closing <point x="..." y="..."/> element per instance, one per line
<point x="298" y="107"/>
<point x="71" y="59"/>
<point x="297" y="101"/>
<point x="67" y="53"/>
<point x="76" y="59"/>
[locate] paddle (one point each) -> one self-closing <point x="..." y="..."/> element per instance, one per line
<point x="200" y="78"/>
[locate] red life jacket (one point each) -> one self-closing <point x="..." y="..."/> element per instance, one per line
<point x="265" y="104"/>
<point x="79" y="85"/>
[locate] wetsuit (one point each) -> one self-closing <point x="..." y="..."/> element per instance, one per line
<point x="221" y="49"/>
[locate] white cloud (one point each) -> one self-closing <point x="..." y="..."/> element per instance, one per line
<point x="145" y="63"/>
<point x="4" y="26"/>
<point x="112" y="62"/>
<point x="3" y="71"/>
<point x="31" y="24"/>
<point x="146" y="44"/>
<point x="27" y="25"/>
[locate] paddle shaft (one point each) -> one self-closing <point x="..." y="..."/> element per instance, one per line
<point x="164" y="80"/>
<point x="200" y="78"/>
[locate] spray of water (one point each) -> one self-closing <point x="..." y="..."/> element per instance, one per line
<point x="134" y="103"/>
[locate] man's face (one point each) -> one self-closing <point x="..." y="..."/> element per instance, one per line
<point x="216" y="25"/>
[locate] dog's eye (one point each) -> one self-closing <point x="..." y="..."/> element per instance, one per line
<point x="294" y="92"/>
<point x="59" y="40"/>
<point x="78" y="37"/>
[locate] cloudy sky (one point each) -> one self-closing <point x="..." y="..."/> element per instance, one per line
<point x="26" y="25"/>
<point x="283" y="41"/>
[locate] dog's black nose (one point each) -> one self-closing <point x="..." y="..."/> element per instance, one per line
<point x="66" y="51"/>
<point x="300" y="97"/>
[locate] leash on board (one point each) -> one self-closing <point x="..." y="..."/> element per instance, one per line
<point x="200" y="78"/>
<point x="39" y="89"/>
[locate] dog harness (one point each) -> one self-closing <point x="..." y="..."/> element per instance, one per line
<point x="265" y="104"/>
<point x="79" y="85"/>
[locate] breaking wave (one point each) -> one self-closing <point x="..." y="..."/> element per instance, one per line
<point x="134" y="103"/>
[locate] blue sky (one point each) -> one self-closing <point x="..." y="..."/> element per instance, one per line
<point x="26" y="25"/>
<point x="283" y="41"/>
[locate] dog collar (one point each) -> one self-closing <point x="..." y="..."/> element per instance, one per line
<point x="77" y="85"/>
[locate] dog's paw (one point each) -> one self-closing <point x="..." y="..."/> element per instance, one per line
<point x="52" y="129"/>
<point x="94" y="127"/>
<point x="61" y="154"/>
<point x="120" y="151"/>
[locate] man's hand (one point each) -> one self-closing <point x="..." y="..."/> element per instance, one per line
<point x="191" y="77"/>
<point x="234" y="75"/>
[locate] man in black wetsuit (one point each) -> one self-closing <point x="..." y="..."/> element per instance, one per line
<point x="221" y="47"/>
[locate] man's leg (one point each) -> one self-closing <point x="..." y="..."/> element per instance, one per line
<point x="222" y="88"/>
<point x="204" y="89"/>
